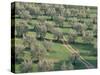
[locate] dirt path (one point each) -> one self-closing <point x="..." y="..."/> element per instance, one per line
<point x="72" y="50"/>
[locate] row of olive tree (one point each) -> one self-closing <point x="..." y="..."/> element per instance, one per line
<point x="51" y="10"/>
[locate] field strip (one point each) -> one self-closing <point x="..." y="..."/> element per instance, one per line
<point x="84" y="63"/>
<point x="72" y="50"/>
<point x="90" y="65"/>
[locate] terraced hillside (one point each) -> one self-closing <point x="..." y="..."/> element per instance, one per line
<point x="49" y="37"/>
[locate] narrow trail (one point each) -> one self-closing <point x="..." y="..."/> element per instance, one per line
<point x="72" y="50"/>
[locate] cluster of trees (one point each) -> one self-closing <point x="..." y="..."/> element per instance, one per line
<point x="58" y="13"/>
<point x="37" y="54"/>
<point x="21" y="28"/>
<point x="43" y="27"/>
<point x="32" y="51"/>
<point x="50" y="10"/>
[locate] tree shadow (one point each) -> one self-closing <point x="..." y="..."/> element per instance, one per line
<point x="57" y="41"/>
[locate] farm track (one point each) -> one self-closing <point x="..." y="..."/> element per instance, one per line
<point x="81" y="59"/>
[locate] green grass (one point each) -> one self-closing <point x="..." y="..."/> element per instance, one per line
<point x="49" y="36"/>
<point x="46" y="17"/>
<point x="35" y="68"/>
<point x="31" y="33"/>
<point x="65" y="30"/>
<point x="32" y="23"/>
<point x="18" y="41"/>
<point x="79" y="39"/>
<point x="82" y="46"/>
<point x="67" y="24"/>
<point x="85" y="50"/>
<point x="92" y="60"/>
<point x="58" y="52"/>
<point x="17" y="68"/>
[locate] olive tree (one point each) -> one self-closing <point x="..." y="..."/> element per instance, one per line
<point x="28" y="40"/>
<point x="26" y="66"/>
<point x="38" y="52"/>
<point x="19" y="52"/>
<point x="45" y="65"/>
<point x="24" y="14"/>
<point x="41" y="30"/>
<point x="64" y="66"/>
<point x="51" y="12"/>
<point x="19" y="7"/>
<point x="82" y="12"/>
<point x="74" y="58"/>
<point x="67" y="65"/>
<point x="74" y="21"/>
<point x="34" y="10"/>
<point x="79" y="27"/>
<point x="47" y="45"/>
<point x="21" y="28"/>
<point x="41" y="19"/>
<point x="59" y="20"/>
<point x="67" y="12"/>
<point x="49" y="25"/>
<point x="58" y="35"/>
<point x="72" y="35"/>
<point x="88" y="37"/>
<point x="60" y="9"/>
